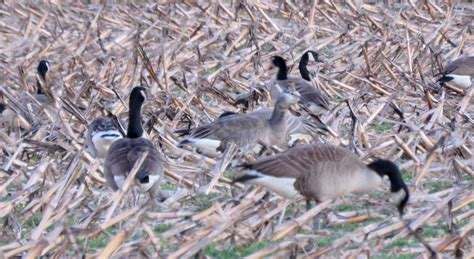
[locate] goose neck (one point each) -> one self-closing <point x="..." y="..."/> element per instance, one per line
<point x="135" y="129"/>
<point x="278" y="115"/>
<point x="282" y="72"/>
<point x="303" y="67"/>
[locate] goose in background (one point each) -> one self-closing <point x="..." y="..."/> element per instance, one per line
<point x="101" y="133"/>
<point x="124" y="152"/>
<point x="322" y="172"/>
<point x="243" y="129"/>
<point x="8" y="113"/>
<point x="43" y="94"/>
<point x="459" y="72"/>
<point x="315" y="100"/>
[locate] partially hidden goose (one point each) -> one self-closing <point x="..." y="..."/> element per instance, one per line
<point x="101" y="133"/>
<point x="7" y="114"/>
<point x="459" y="72"/>
<point x="315" y="100"/>
<point x="124" y="152"/>
<point x="244" y="129"/>
<point x="322" y="172"/>
<point x="41" y="94"/>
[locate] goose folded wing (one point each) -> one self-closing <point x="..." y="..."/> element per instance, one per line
<point x="242" y="129"/>
<point x="312" y="95"/>
<point x="324" y="180"/>
<point x="290" y="163"/>
<point x="462" y="66"/>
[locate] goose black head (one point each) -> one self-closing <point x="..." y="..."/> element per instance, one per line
<point x="390" y="169"/>
<point x="138" y="95"/>
<point x="278" y="61"/>
<point x="43" y="68"/>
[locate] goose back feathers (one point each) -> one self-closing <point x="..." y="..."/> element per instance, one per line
<point x="124" y="152"/>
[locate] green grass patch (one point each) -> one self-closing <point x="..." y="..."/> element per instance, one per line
<point x="437" y="186"/>
<point x="435" y="231"/>
<point x="99" y="241"/>
<point x="161" y="228"/>
<point x="407" y="175"/>
<point x="233" y="252"/>
<point x="382" y="127"/>
<point x="32" y="222"/>
<point x="399" y="256"/>
<point x="204" y="201"/>
<point x="349" y="207"/>
<point x="400" y="243"/>
<point x="168" y="187"/>
<point x="325" y="241"/>
<point x="214" y="252"/>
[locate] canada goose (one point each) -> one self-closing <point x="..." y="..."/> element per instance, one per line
<point x="244" y="129"/>
<point x="459" y="72"/>
<point x="124" y="152"/>
<point x="295" y="124"/>
<point x="101" y="133"/>
<point x="316" y="101"/>
<point x="303" y="65"/>
<point x="322" y="172"/>
<point x="41" y="94"/>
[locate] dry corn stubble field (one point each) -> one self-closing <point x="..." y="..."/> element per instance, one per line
<point x="195" y="58"/>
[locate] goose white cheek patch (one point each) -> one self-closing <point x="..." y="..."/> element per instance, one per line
<point x="103" y="140"/>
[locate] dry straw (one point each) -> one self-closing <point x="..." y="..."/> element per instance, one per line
<point x="196" y="57"/>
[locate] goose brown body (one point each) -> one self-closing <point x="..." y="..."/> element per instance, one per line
<point x="123" y="153"/>
<point x="459" y="72"/>
<point x="320" y="172"/>
<point x="122" y="157"/>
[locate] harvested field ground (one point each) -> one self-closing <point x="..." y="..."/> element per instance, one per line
<point x="195" y="57"/>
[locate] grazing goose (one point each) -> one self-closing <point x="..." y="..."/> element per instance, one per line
<point x="316" y="101"/>
<point x="123" y="153"/>
<point x="7" y="114"/>
<point x="322" y="172"/>
<point x="101" y="133"/>
<point x="244" y="129"/>
<point x="459" y="72"/>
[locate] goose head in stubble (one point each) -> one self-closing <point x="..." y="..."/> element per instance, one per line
<point x="390" y="169"/>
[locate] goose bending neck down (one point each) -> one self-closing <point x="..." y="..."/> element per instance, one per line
<point x="322" y="172"/>
<point x="123" y="153"/>
<point x="243" y="129"/>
